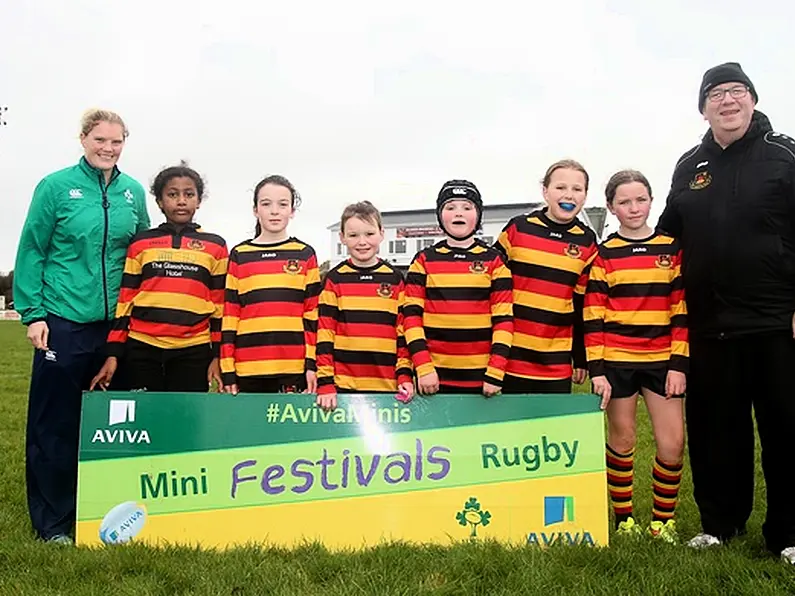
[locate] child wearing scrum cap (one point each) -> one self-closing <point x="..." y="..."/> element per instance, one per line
<point x="459" y="303"/>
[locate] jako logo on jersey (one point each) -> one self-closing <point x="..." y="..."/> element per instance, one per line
<point x="639" y="249"/>
<point x="121" y="411"/>
<point x="76" y="193"/>
<point x="701" y="180"/>
<point x="555" y="235"/>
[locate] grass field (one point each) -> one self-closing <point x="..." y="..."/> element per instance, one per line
<point x="626" y="567"/>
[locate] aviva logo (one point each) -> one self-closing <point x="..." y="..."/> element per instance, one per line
<point x="121" y="411"/>
<point x="558" y="509"/>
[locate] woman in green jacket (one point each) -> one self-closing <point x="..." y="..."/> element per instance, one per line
<point x="66" y="283"/>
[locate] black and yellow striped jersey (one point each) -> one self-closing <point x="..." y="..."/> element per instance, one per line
<point x="172" y="290"/>
<point x="459" y="314"/>
<point x="360" y="343"/>
<point x="270" y="310"/>
<point x="549" y="263"/>
<point x="635" y="311"/>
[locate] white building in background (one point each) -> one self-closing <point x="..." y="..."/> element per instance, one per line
<point x="408" y="232"/>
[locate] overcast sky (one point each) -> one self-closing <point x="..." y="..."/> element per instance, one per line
<point x="372" y="100"/>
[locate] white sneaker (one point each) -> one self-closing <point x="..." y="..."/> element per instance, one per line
<point x="788" y="555"/>
<point x="705" y="541"/>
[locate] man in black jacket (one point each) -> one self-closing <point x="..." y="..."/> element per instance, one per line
<point x="732" y="205"/>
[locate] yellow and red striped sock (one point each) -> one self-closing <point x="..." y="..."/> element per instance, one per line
<point x="666" y="479"/>
<point x="619" y="482"/>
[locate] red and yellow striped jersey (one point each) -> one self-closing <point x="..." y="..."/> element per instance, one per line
<point x="360" y="343"/>
<point x="270" y="310"/>
<point x="549" y="263"/>
<point x="635" y="312"/>
<point x="459" y="314"/>
<point x="172" y="290"/>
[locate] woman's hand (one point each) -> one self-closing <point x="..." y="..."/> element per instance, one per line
<point x="38" y="334"/>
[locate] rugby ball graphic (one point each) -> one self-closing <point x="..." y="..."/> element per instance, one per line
<point x="122" y="523"/>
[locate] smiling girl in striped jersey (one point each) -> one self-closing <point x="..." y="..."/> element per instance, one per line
<point x="168" y="319"/>
<point x="636" y="342"/>
<point x="549" y="252"/>
<point x="270" y="313"/>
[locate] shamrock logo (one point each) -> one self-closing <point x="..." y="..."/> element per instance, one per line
<point x="474" y="516"/>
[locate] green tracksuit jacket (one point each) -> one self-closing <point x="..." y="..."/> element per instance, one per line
<point x="74" y="242"/>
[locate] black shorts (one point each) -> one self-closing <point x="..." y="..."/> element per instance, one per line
<point x="519" y="385"/>
<point x="627" y="382"/>
<point x="272" y="384"/>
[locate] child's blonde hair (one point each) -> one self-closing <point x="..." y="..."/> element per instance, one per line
<point x="565" y="164"/>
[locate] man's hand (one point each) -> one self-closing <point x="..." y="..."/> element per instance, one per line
<point x="601" y="387"/>
<point x="38" y="334"/>
<point x="105" y="374"/>
<point x="675" y="383"/>
<point x="578" y="376"/>
<point x="214" y="373"/>
<point x="428" y="384"/>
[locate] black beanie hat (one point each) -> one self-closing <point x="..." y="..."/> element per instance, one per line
<point x="728" y="72"/>
<point x="459" y="190"/>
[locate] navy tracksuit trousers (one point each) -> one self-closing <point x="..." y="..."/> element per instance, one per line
<point x="60" y="375"/>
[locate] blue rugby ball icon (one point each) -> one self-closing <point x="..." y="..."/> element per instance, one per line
<point x="122" y="523"/>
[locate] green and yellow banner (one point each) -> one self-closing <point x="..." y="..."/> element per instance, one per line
<point x="218" y="470"/>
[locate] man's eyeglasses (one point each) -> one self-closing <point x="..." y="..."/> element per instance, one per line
<point x="737" y="92"/>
